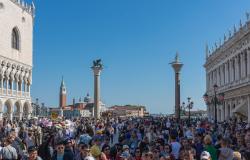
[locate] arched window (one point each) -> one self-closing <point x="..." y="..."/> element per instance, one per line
<point x="15" y="40"/>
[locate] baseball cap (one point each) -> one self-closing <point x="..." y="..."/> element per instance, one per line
<point x="205" y="155"/>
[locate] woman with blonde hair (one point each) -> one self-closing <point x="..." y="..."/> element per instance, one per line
<point x="209" y="147"/>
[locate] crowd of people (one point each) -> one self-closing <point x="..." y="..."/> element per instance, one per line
<point x="150" y="138"/>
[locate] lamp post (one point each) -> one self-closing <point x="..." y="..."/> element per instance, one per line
<point x="189" y="107"/>
<point x="215" y="100"/>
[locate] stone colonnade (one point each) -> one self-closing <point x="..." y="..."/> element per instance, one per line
<point x="227" y="109"/>
<point x="15" y="109"/>
<point x="234" y="69"/>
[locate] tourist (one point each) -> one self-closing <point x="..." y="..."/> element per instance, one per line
<point x="8" y="152"/>
<point x="209" y="147"/>
<point x="32" y="154"/>
<point x="225" y="153"/>
<point x="60" y="154"/>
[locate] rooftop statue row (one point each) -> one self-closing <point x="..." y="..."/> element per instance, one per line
<point x="30" y="8"/>
<point x="217" y="45"/>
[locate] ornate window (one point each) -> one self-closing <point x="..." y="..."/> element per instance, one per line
<point x="15" y="40"/>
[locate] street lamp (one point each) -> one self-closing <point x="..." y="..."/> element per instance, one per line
<point x="217" y="99"/>
<point x="189" y="107"/>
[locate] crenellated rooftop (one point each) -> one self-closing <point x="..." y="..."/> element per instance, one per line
<point x="29" y="8"/>
<point x="228" y="39"/>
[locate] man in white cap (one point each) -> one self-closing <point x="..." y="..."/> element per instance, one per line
<point x="205" y="156"/>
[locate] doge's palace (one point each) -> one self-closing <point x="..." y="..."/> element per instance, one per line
<point x="16" y="51"/>
<point x="228" y="66"/>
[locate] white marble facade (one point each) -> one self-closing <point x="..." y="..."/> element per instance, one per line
<point x="16" y="53"/>
<point x="228" y="66"/>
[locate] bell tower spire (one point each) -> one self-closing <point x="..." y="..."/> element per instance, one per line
<point x="63" y="94"/>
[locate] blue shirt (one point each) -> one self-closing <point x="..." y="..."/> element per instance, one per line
<point x="59" y="157"/>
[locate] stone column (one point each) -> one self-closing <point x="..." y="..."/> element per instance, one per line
<point x="222" y="113"/>
<point x="248" y="63"/>
<point x="2" y="85"/>
<point x="20" y="116"/>
<point x="24" y="87"/>
<point x="237" y="68"/>
<point x="29" y="90"/>
<point x="231" y="108"/>
<point x="1" y="115"/>
<point x="97" y="68"/>
<point x="177" y="65"/>
<point x="229" y="71"/>
<point x="248" y="106"/>
<point x="11" y="116"/>
<point x="7" y="86"/>
<point x="242" y="65"/>
<point x="226" y="73"/>
<point x="226" y="110"/>
<point x="11" y="86"/>
<point x="222" y="75"/>
<point x="219" y="76"/>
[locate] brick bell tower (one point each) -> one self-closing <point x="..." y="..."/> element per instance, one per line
<point x="63" y="95"/>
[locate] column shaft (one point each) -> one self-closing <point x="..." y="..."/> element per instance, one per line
<point x="226" y="111"/>
<point x="236" y="68"/>
<point x="242" y="65"/>
<point x="177" y="95"/>
<point x="97" y="96"/>
<point x="226" y="72"/>
<point x="248" y="104"/>
<point x="7" y="86"/>
<point x="248" y="63"/>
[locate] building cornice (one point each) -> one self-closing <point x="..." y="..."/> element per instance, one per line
<point x="2" y="58"/>
<point x="29" y="8"/>
<point x="234" y="43"/>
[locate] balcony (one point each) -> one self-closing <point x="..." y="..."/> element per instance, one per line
<point x="14" y="93"/>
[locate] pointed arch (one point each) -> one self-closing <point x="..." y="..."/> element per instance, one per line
<point x="8" y="109"/>
<point x="17" y="109"/>
<point x="27" y="109"/>
<point x="15" y="38"/>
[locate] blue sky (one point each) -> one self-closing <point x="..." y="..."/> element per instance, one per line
<point x="136" y="39"/>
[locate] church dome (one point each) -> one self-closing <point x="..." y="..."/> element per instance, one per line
<point x="87" y="99"/>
